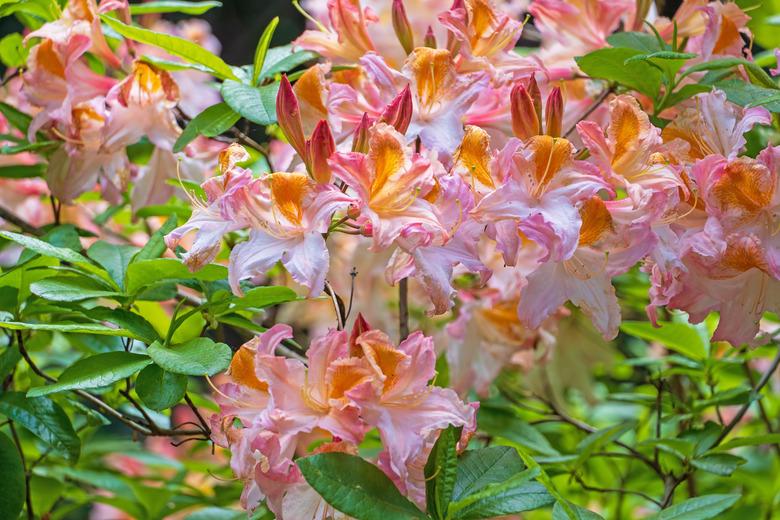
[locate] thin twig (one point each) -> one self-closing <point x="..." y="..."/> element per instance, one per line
<point x="28" y="496"/>
<point x="337" y="305"/>
<point x="19" y="222"/>
<point x="403" y="308"/>
<point x="613" y="490"/>
<point x="203" y="422"/>
<point x="590" y="110"/>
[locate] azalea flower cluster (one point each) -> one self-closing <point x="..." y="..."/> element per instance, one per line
<point x="275" y="408"/>
<point x="71" y="86"/>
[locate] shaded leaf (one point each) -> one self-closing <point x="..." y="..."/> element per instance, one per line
<point x="257" y="104"/>
<point x="441" y="470"/>
<point x="45" y="419"/>
<point x="477" y="469"/>
<point x="159" y="389"/>
<point x="698" y="508"/>
<point x="113" y="258"/>
<point x="69" y="289"/>
<point x="12" y="477"/>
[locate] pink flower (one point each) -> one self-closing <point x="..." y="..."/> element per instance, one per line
<point x="542" y="195"/>
<point x="390" y="183"/>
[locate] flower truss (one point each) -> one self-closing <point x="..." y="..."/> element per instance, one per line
<point x="505" y="189"/>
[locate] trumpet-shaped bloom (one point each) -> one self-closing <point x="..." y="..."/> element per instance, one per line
<point x="390" y="183"/>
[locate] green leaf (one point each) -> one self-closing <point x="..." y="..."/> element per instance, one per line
<point x="171" y="65"/>
<point x="745" y="94"/>
<point x="158" y="389"/>
<point x="662" y="55"/>
<point x="155" y="247"/>
<point x="685" y="92"/>
<point x="113" y="258"/>
<point x="698" y="508"/>
<point x="441" y="470"/>
<point x="580" y="513"/>
<point x="22" y="171"/>
<point x="139" y="327"/>
<point x="477" y="469"/>
<point x="95" y="372"/>
<point x="12" y="477"/>
<point x="504" y="423"/>
<point x="72" y="328"/>
<point x="635" y="40"/>
<point x="173" y="6"/>
<point x="44" y="248"/>
<point x="13" y="52"/>
<point x="260" y="297"/>
<point x="510" y="497"/>
<point x="719" y="463"/>
<point x="38" y="146"/>
<point x="755" y="440"/>
<point x="609" y="64"/>
<point x="262" y="49"/>
<point x="45" y="419"/>
<point x="197" y="357"/>
<point x="173" y="45"/>
<point x="680" y="337"/>
<point x="144" y="273"/>
<point x="283" y="59"/>
<point x="69" y="289"/>
<point x="598" y="439"/>
<point x="356" y="487"/>
<point x="15" y="117"/>
<point x="213" y="121"/>
<point x="257" y="104"/>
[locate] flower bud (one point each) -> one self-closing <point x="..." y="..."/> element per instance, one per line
<point x="525" y="122"/>
<point x="402" y="27"/>
<point x="536" y="95"/>
<point x="288" y="113"/>
<point x="553" y="112"/>
<point x="320" y="148"/>
<point x="360" y="139"/>
<point x="354" y="211"/>
<point x="360" y="326"/>
<point x="430" y="38"/>
<point x="399" y="112"/>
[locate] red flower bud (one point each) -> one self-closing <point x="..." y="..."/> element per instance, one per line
<point x="553" y="112"/>
<point x="288" y="114"/>
<point x="430" y="38"/>
<point x="399" y="112"/>
<point x="525" y="122"/>
<point x="321" y="147"/>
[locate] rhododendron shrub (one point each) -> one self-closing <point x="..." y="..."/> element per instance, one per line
<point x="427" y="260"/>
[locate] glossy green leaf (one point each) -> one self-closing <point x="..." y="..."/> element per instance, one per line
<point x="257" y="104"/>
<point x="480" y="468"/>
<point x="697" y="508"/>
<point x="748" y="95"/>
<point x="213" y="121"/>
<point x="12" y="477"/>
<point x="284" y="59"/>
<point x="114" y="258"/>
<point x="45" y="419"/>
<point x="159" y="389"/>
<point x="197" y="357"/>
<point x="262" y="49"/>
<point x="356" y="487"/>
<point x="139" y="327"/>
<point x="70" y="289"/>
<point x="44" y="248"/>
<point x="173" y="6"/>
<point x="72" y="328"/>
<point x="441" y="469"/>
<point x="512" y="496"/>
<point x="609" y="64"/>
<point x="503" y="423"/>
<point x="142" y="274"/>
<point x="718" y="463"/>
<point x="174" y="45"/>
<point x="95" y="372"/>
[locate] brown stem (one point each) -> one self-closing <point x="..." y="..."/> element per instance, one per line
<point x="19" y="222"/>
<point x="403" y="308"/>
<point x="590" y="110"/>
<point x="622" y="491"/>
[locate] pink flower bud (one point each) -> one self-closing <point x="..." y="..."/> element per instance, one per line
<point x="288" y="114"/>
<point x="402" y="27"/>
<point x="553" y="112"/>
<point x="360" y="140"/>
<point x="320" y="148"/>
<point x="399" y="112"/>
<point x="525" y="123"/>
